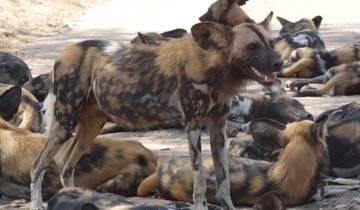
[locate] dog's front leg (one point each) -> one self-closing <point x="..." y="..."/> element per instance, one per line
<point x="217" y="129"/>
<point x="199" y="183"/>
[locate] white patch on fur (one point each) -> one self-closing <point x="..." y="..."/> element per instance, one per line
<point x="245" y="106"/>
<point x="49" y="106"/>
<point x="302" y="39"/>
<point x="294" y="55"/>
<point x="111" y="48"/>
<point x="202" y="87"/>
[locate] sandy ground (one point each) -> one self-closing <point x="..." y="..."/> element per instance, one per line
<point x="119" y="20"/>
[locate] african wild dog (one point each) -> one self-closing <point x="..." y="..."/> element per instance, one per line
<point x="29" y="115"/>
<point x="13" y="70"/>
<point x="39" y="86"/>
<point x="302" y="33"/>
<point x="342" y="140"/>
<point x="282" y="108"/>
<point x="138" y="86"/>
<point x="153" y="38"/>
<point x="309" y="62"/>
<point x="226" y="12"/>
<point x="108" y="165"/>
<point x="339" y="80"/>
<point x="296" y="175"/>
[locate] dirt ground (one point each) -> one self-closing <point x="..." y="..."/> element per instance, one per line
<point x="39" y="30"/>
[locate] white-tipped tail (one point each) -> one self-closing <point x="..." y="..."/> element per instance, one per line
<point x="48" y="107"/>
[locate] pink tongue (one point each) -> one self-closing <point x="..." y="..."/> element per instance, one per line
<point x="270" y="78"/>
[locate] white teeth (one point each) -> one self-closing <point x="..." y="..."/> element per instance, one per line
<point x="257" y="72"/>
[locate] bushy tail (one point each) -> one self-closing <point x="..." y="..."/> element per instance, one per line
<point x="148" y="186"/>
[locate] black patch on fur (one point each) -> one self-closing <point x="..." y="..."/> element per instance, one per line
<point x="93" y="159"/>
<point x="141" y="160"/>
<point x="261" y="37"/>
<point x="342" y="152"/>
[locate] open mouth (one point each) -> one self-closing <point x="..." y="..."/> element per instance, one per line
<point x="262" y="78"/>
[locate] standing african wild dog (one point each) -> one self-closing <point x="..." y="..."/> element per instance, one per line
<point x="339" y="80"/>
<point x="108" y="165"/>
<point x="309" y="62"/>
<point x="139" y="86"/>
<point x="296" y="175"/>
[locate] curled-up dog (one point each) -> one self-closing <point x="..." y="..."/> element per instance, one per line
<point x="308" y="62"/>
<point x="342" y="140"/>
<point x="282" y="108"/>
<point x="337" y="81"/>
<point x="108" y="165"/>
<point x="29" y="115"/>
<point x="13" y="70"/>
<point x="296" y="175"/>
<point x="302" y="33"/>
<point x="194" y="76"/>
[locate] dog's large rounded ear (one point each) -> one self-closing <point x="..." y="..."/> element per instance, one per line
<point x="210" y="35"/>
<point x="9" y="102"/>
<point x="266" y="23"/>
<point x="267" y="133"/>
<point x="176" y="33"/>
<point x="318" y="129"/>
<point x="317" y="21"/>
<point x="283" y="21"/>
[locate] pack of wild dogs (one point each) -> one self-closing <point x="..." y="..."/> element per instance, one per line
<point x="280" y="155"/>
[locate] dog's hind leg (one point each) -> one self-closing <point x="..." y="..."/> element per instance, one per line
<point x="340" y="78"/>
<point x="90" y="124"/>
<point x="217" y="118"/>
<point x="199" y="182"/>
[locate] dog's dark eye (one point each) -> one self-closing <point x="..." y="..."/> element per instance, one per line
<point x="253" y="46"/>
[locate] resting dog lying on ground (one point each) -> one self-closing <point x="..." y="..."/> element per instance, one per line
<point x="302" y="33"/>
<point x="296" y="175"/>
<point x="308" y="62"/>
<point x="342" y="138"/>
<point x="108" y="166"/>
<point x="338" y="80"/>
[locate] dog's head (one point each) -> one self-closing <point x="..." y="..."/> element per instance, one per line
<point x="273" y="135"/>
<point x="13" y="70"/>
<point x="155" y="38"/>
<point x="286" y="109"/>
<point x="226" y="12"/>
<point x="301" y="25"/>
<point x="247" y="49"/>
